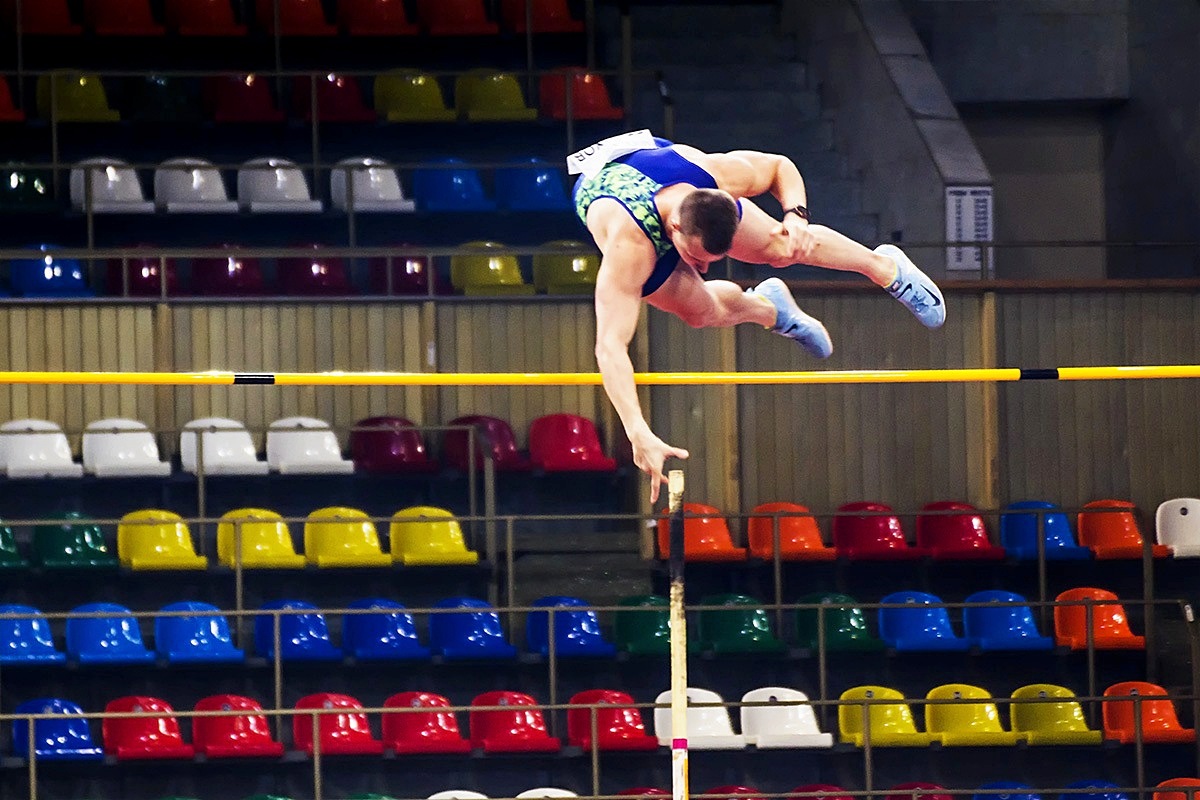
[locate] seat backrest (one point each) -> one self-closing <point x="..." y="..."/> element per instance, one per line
<point x="391" y="625"/>
<point x="1104" y="791"/>
<point x="77" y="97"/>
<point x="705" y="530"/>
<point x="894" y="716"/>
<point x="449" y="187"/>
<point x="1178" y="523"/>
<point x="272" y="180"/>
<point x="484" y="91"/>
<point x="741" y="618"/>
<point x="545" y="792"/>
<point x="1183" y="785"/>
<point x="231" y="276"/>
<point x="264" y="536"/>
<point x="188" y="180"/>
<point x="117" y="441"/>
<point x="589" y="95"/>
<point x="111" y="181"/>
<point x="49" y="276"/>
<point x="918" y="619"/>
<point x="616" y="717"/>
<point x="574" y="624"/>
<point x="142" y="732"/>
<point x="1019" y="527"/>
<point x="534" y="185"/>
<point x="490" y="267"/>
<point x="121" y="14"/>
<point x="315" y="275"/>
<point x="28" y="638"/>
<point x="251" y="727"/>
<point x="1108" y="523"/>
<point x="339" y="531"/>
<point x="145" y="277"/>
<point x="1108" y="615"/>
<point x="845" y="623"/>
<point x="702" y="720"/>
<point x="153" y="533"/>
<point x="30" y="443"/>
<point x="492" y="435"/>
<point x="477" y="625"/>
<point x="558" y="441"/>
<point x="918" y="790"/>
<point x="115" y="633"/>
<point x="796" y="531"/>
<point x="403" y="90"/>
<point x="1006" y="790"/>
<point x="204" y="628"/>
<point x="70" y="735"/>
<point x="426" y="531"/>
<point x="70" y="542"/>
<point x="788" y="712"/>
<point x="951" y="531"/>
<point x="578" y="267"/>
<point x="977" y="717"/>
<point x="339" y="99"/>
<point x="1008" y="616"/>
<point x="1066" y="715"/>
<point x="437" y="723"/>
<point x="520" y="719"/>
<point x="864" y="527"/>
<point x="388" y="444"/>
<point x="298" y="632"/>
<point x="199" y="14"/>
<point x="225" y="441"/>
<point x="645" y="623"/>
<point x="301" y="439"/>
<point x="1157" y="710"/>
<point x="370" y="179"/>
<point x="350" y="726"/>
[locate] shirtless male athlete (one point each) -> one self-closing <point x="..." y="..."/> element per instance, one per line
<point x="663" y="213"/>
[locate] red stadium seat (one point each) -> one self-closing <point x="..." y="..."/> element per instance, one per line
<point x="873" y="535"/>
<point x="455" y="18"/>
<point x="567" y="443"/>
<point x="8" y="111"/>
<point x="819" y="791"/>
<point x="549" y="16"/>
<point x="518" y="729"/>
<point x="227" y="277"/>
<point x="42" y="17"/>
<point x="494" y="434"/>
<point x="134" y="738"/>
<point x="202" y="18"/>
<point x="432" y="731"/>
<point x="375" y="18"/>
<point x="410" y="276"/>
<point x="589" y="96"/>
<point x="296" y="18"/>
<point x="389" y="444"/>
<point x="240" y="98"/>
<point x="315" y="276"/>
<point x="121" y="18"/>
<point x="347" y="733"/>
<point x="339" y="99"/>
<point x="955" y="536"/>
<point x="247" y="736"/>
<point x="145" y="277"/>
<point x="619" y="724"/>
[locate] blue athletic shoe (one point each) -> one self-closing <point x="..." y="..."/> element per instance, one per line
<point x="791" y="322"/>
<point x="914" y="289"/>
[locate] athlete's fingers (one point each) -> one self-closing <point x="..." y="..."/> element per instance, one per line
<point x="677" y="452"/>
<point x="656" y="482"/>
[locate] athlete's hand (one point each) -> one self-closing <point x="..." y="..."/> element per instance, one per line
<point x="800" y="239"/>
<point x="650" y="453"/>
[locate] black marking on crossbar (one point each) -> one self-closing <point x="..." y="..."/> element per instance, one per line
<point x="1039" y="374"/>
<point x="254" y="379"/>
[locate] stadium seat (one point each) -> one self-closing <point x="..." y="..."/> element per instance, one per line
<point x="191" y="186"/>
<point x="121" y="448"/>
<point x="518" y="728"/>
<point x="163" y="99"/>
<point x="71" y="544"/>
<point x="234" y="276"/>
<point x="388" y="635"/>
<point x="68" y="739"/>
<point x="474" y="632"/>
<point x="75" y="97"/>
<point x="567" y="443"/>
<point x="799" y="536"/>
<point x="406" y="275"/>
<point x="1114" y="533"/>
<point x="407" y="96"/>
<point x="644" y="791"/>
<point x="549" y="16"/>
<point x="266" y="541"/>
<point x="26" y="641"/>
<point x="114" y="188"/>
<point x="741" y="626"/>
<point x="1060" y="723"/>
<point x="491" y="433"/>
<point x="735" y="793"/>
<point x="202" y="18"/>
<point x="869" y="531"/>
<point x="487" y="96"/>
<point x="1185" y="789"/>
<point x="533" y="185"/>
<point x="890" y="723"/>
<point x="487" y="271"/>
<point x="144" y="277"/>
<point x="36" y="448"/>
<point x="819" y="791"/>
<point x="1110" y="625"/>
<point x="302" y="637"/>
<point x="572" y="272"/>
<point x="240" y="98"/>
<point x="346" y="733"/>
<point x="706" y="535"/>
<point x="1005" y="790"/>
<point x="454" y="18"/>
<point x="375" y="18"/>
<point x="339" y="98"/>
<point x="449" y="188"/>
<point x="48" y="276"/>
<point x="1019" y="532"/>
<point x="305" y="446"/>
<point x="427" y="731"/>
<point x="1005" y="624"/>
<point x="138" y="738"/>
<point x="111" y="639"/>
<point x="296" y="18"/>
<point x="708" y="727"/>
<point x="457" y="794"/>
<point x="846" y="627"/>
<point x="121" y="18"/>
<point x="375" y="187"/>
<point x="153" y="539"/>
<point x="315" y="275"/>
<point x="1178" y="524"/>
<point x="545" y="793"/>
<point x="242" y="736"/>
<point x="428" y="536"/>
<point x="1104" y="791"/>
<point x="955" y="536"/>
<point x="10" y="556"/>
<point x="589" y="96"/>
<point x="8" y="111"/>
<point x="918" y="790"/>
<point x="646" y="632"/>
<point x="42" y="18"/>
<point x="275" y="186"/>
<point x="338" y="536"/>
<point x="226" y="445"/>
<point x="974" y="724"/>
<point x="1155" y="714"/>
<point x="918" y="626"/>
<point x="389" y="444"/>
<point x="618" y="724"/>
<point x="23" y="189"/>
<point x="576" y="629"/>
<point x="786" y="721"/>
<point x="200" y="637"/>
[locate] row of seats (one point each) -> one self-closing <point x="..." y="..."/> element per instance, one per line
<point x="119" y="447"/>
<point x="771" y="717"/>
<point x="481" y="95"/>
<point x="470" y="628"/>
<point x="952" y="530"/>
<point x="291" y="18"/>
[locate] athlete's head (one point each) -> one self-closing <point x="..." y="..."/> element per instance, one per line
<point x="703" y="227"/>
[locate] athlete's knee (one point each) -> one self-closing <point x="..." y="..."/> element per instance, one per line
<point x="700" y="315"/>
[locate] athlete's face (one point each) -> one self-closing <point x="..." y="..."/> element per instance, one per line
<point x="692" y="252"/>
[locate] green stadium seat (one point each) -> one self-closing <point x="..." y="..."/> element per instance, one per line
<point x="744" y="628"/>
<point x="71" y="545"/>
<point x="845" y="628"/>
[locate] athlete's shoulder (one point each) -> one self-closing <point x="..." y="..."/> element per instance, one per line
<point x="610" y="222"/>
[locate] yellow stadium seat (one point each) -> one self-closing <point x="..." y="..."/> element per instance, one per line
<point x="77" y="98"/>
<point x="488" y="273"/>
<point x="891" y="724"/>
<point x="434" y="541"/>
<point x="1050" y="723"/>
<point x="411" y="97"/>
<point x="156" y="539"/>
<point x="967" y="724"/>
<point x="566" y="273"/>
<point x="266" y="540"/>
<point x="486" y="96"/>
<point x="342" y="537"/>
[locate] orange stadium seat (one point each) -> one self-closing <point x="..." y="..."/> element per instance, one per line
<point x="706" y="535"/>
<point x="1109" y="528"/>
<point x="799" y="536"/>
<point x="1181" y="785"/>
<point x="1158" y="721"/>
<point x="1110" y="625"/>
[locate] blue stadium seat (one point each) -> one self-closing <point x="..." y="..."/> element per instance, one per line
<point x="202" y="637"/>
<point x="389" y="635"/>
<point x="1019" y="533"/>
<point x="470" y="633"/>
<point x="450" y="188"/>
<point x="57" y="740"/>
<point x="302" y="637"/>
<point x="576" y="633"/>
<point x="919" y="627"/>
<point x="531" y="188"/>
<point x="48" y="276"/>
<point x="1103" y="791"/>
<point x="1008" y="625"/>
<point x="111" y="639"/>
<point x="26" y="641"/>
<point x="1006" y="790"/>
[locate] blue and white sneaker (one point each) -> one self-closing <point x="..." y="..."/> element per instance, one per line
<point x="914" y="289"/>
<point x="791" y="322"/>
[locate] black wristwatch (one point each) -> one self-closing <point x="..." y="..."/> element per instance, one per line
<point x="800" y="211"/>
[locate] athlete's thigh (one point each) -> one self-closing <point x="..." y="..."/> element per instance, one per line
<point x="759" y="237"/>
<point x="682" y="294"/>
